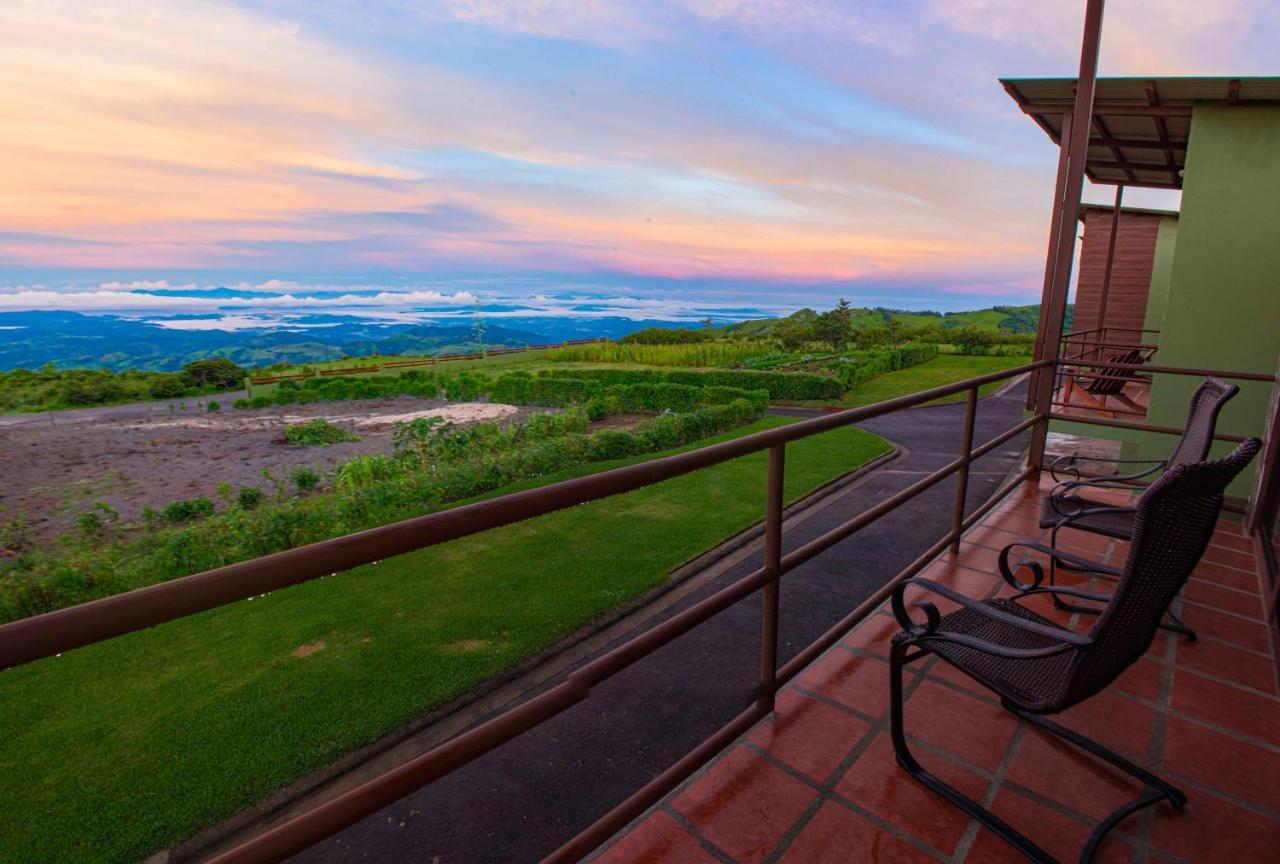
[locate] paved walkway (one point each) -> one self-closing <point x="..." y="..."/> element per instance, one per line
<point x="524" y="800"/>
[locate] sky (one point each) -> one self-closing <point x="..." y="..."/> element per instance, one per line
<point x="663" y="158"/>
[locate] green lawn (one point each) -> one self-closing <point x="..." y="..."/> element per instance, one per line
<point x="116" y="750"/>
<point x="943" y="369"/>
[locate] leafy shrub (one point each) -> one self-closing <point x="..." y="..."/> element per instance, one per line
<point x="305" y="478"/>
<point x="168" y="387"/>
<point x="216" y="373"/>
<point x="666" y="336"/>
<point x="212" y="406"/>
<point x="597" y="409"/>
<point x="249" y="497"/>
<point x="780" y="385"/>
<point x="606" y="444"/>
<point x="241" y="404"/>
<point x="718" y="352"/>
<point x="187" y="510"/>
<point x="317" y="433"/>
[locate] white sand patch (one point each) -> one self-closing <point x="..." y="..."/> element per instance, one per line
<point x="459" y="413"/>
<point x="463" y="412"/>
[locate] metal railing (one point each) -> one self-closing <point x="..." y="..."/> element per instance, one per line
<point x="44" y="635"/>
<point x="1094" y="420"/>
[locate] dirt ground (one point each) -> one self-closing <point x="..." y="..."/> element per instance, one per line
<point x="53" y="467"/>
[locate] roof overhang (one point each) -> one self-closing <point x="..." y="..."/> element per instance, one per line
<point x="1140" y="125"/>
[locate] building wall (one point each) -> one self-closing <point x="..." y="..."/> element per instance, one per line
<point x="1223" y="305"/>
<point x="1130" y="272"/>
<point x="1161" y="273"/>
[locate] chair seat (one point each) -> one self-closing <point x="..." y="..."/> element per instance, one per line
<point x="1032" y="685"/>
<point x="1055" y="507"/>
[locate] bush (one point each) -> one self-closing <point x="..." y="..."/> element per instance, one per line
<point x="597" y="409"/>
<point x="187" y="510"/>
<point x="606" y="444"/>
<point x="212" y="406"/>
<point x="168" y="387"/>
<point x="305" y="479"/>
<point x="214" y="373"/>
<point x="779" y="385"/>
<point x="666" y="336"/>
<point x="317" y="433"/>
<point x="249" y="497"/>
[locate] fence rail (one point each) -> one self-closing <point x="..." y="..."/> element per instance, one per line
<point x="30" y="639"/>
<point x="431" y="360"/>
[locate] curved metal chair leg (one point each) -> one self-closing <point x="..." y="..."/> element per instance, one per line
<point x="897" y="659"/>
<point x="1157" y="789"/>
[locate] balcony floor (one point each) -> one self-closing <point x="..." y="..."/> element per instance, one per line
<point x="817" y="781"/>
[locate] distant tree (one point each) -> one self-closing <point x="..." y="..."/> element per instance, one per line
<point x="707" y="323"/>
<point x="971" y="340"/>
<point x="792" y="333"/>
<point x="835" y="327"/>
<point x="216" y="372"/>
<point x="896" y="332"/>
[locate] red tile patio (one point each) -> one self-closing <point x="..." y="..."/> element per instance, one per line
<point x="817" y="781"/>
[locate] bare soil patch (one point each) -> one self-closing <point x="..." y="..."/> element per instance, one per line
<point x="50" y="472"/>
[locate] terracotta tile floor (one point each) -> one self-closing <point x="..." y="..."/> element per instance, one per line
<point x="817" y="781"/>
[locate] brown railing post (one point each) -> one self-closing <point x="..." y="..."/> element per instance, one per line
<point x="773" y="565"/>
<point x="962" y="480"/>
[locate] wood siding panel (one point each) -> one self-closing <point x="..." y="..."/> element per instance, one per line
<point x="1130" y="274"/>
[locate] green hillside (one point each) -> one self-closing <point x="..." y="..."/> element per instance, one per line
<point x="1009" y="319"/>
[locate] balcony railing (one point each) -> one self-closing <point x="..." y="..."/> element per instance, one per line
<point x="44" y="635"/>
<point x="1079" y="389"/>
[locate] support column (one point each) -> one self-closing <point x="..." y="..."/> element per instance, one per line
<point x="1106" y="274"/>
<point x="1053" y="306"/>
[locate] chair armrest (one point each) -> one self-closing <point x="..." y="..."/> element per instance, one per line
<point x="1070" y="592"/>
<point x="1074" y="562"/>
<point x="1067" y="640"/>
<point x="1156" y="464"/>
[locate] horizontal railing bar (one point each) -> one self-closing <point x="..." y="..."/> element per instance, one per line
<point x="807" y="655"/>
<point x="590" y="838"/>
<point x="1174" y="370"/>
<point x="1137" y="427"/>
<point x="325" y="820"/>
<point x="997" y="496"/>
<point x="841" y="532"/>
<point x="29" y="639"/>
<point x="847" y="529"/>
<point x="1110" y="409"/>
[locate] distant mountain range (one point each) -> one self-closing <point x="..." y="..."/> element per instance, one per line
<point x="70" y="339"/>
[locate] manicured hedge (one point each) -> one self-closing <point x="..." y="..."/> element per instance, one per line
<point x="853" y="369"/>
<point x="519" y="388"/>
<point x="780" y="385"/>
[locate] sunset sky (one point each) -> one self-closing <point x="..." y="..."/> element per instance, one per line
<point x="669" y="154"/>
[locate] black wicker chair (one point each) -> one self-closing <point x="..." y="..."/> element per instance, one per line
<point x="1039" y="668"/>
<point x="1066" y="507"/>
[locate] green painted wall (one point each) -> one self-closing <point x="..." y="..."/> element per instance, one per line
<point x="1161" y="273"/>
<point x="1223" y="305"/>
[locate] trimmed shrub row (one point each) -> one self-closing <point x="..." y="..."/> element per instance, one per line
<point x="780" y="385"/>
<point x="853" y="369"/>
